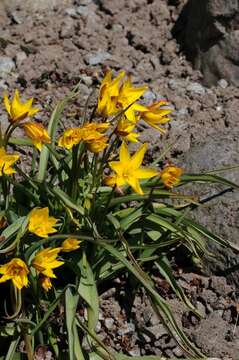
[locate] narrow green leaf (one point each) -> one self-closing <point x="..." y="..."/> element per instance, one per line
<point x="71" y="302"/>
<point x="67" y="200"/>
<point x="88" y="291"/>
<point x="49" y="311"/>
<point x="208" y="178"/>
<point x="52" y="129"/>
<point x="163" y="308"/>
<point x="166" y="271"/>
<point x="11" y="354"/>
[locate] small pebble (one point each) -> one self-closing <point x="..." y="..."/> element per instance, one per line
<point x="223" y="83"/>
<point x="98" y="327"/>
<point x="7" y="65"/>
<point x="98" y="58"/>
<point x="147" y="338"/>
<point x="177" y="352"/>
<point x="109" y="322"/>
<point x="87" y="80"/>
<point x="135" y="352"/>
<point x="71" y="12"/>
<point x="196" y="88"/>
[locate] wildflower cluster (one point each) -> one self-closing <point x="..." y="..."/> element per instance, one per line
<point x="40" y="224"/>
<point x="92" y="206"/>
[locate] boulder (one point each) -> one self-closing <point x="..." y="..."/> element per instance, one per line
<point x="208" y="32"/>
<point x="221" y="215"/>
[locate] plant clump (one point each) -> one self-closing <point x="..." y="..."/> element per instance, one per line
<point x="88" y="210"/>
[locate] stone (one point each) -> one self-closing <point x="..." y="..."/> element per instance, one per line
<point x="223" y="83"/>
<point x="196" y="88"/>
<point x="4" y="122"/>
<point x="135" y="352"/>
<point x="149" y="97"/>
<point x="87" y="80"/>
<point x="178" y="352"/>
<point x="3" y="85"/>
<point x="20" y="57"/>
<point x="201" y="308"/>
<point x="71" y="12"/>
<point x="109" y="322"/>
<point x="219" y="285"/>
<point x="126" y="329"/>
<point x="85" y="11"/>
<point x="32" y="5"/>
<point x="7" y="65"/>
<point x="157" y="331"/>
<point x="220" y="215"/>
<point x="67" y="28"/>
<point x="146" y="337"/>
<point x="177" y="85"/>
<point x="210" y="335"/>
<point x="208" y="32"/>
<point x="98" y="327"/>
<point x="98" y="58"/>
<point x="15" y="17"/>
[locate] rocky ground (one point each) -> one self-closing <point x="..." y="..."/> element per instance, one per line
<point x="136" y="329"/>
<point x="48" y="46"/>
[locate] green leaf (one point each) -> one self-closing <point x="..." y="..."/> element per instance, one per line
<point x="128" y="220"/>
<point x="166" y="271"/>
<point x="71" y="302"/>
<point x="163" y="223"/>
<point x="207" y="178"/>
<point x="67" y="200"/>
<point x="12" y="229"/>
<point x="49" y="312"/>
<point x="157" y="194"/>
<point x="88" y="291"/>
<point x="18" y="229"/>
<point x="160" y="304"/>
<point x="125" y="357"/>
<point x="200" y="228"/>
<point x="52" y="130"/>
<point x="94" y="356"/>
<point x="11" y="354"/>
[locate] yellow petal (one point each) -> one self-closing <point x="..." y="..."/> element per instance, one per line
<point x="133" y="137"/>
<point x="137" y="159"/>
<point x="134" y="183"/>
<point x="116" y="166"/>
<point x="145" y="173"/>
<point x="124" y="153"/>
<point x="7" y="103"/>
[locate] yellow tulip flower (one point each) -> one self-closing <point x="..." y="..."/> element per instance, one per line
<point x="18" y="110"/>
<point x="6" y="162"/>
<point x="127" y="98"/>
<point x="108" y="94"/>
<point x="15" y="270"/>
<point x="70" y="138"/>
<point x="46" y="283"/>
<point x="70" y="244"/>
<point x="46" y="260"/>
<point x="125" y="130"/>
<point x="128" y="170"/>
<point x="155" y="115"/>
<point x="40" y="223"/>
<point x="37" y="133"/>
<point x="170" y="175"/>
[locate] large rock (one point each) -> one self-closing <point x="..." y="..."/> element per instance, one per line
<point x="220" y="215"/>
<point x="208" y="32"/>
